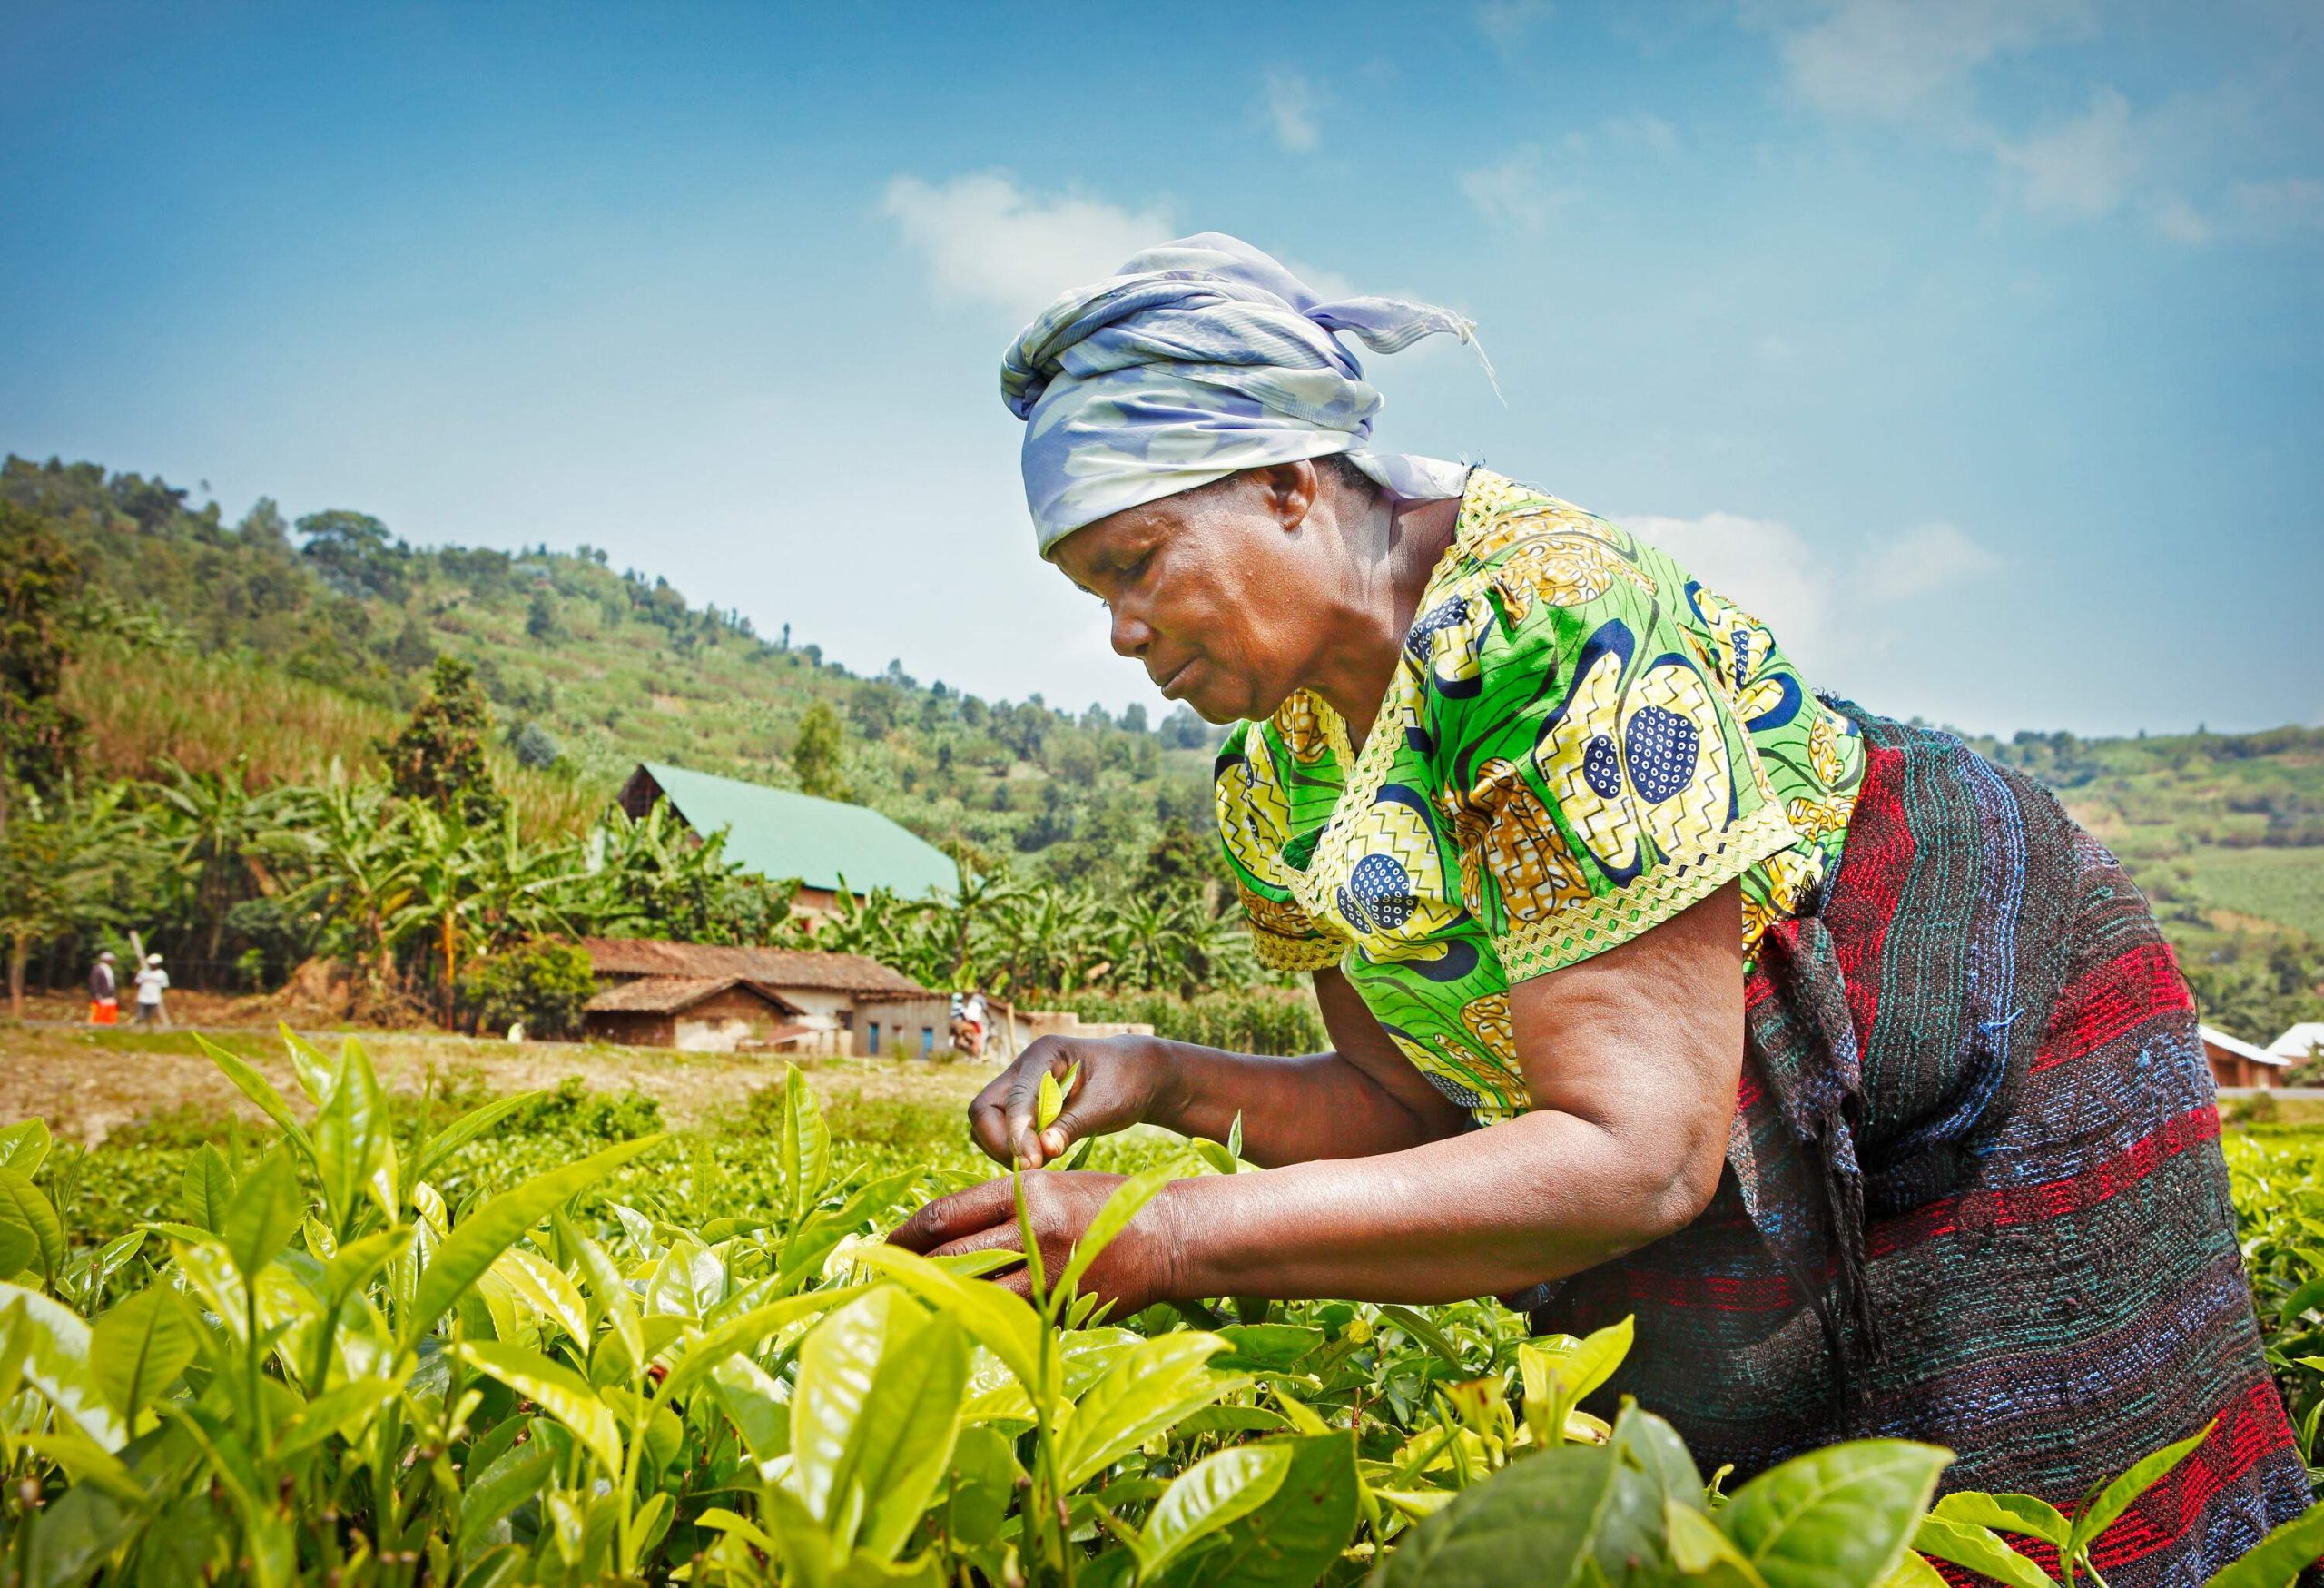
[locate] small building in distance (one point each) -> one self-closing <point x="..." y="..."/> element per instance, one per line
<point x="779" y="833"/>
<point x="2236" y="1062"/>
<point x="2299" y="1043"/>
<point x="704" y="998"/>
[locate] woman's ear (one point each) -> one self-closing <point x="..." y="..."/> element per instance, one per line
<point x="1291" y="489"/>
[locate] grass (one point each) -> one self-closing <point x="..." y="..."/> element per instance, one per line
<point x="207" y="711"/>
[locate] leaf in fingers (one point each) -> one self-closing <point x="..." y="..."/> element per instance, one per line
<point x="1047" y="1103"/>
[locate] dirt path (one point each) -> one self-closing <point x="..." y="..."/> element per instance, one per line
<point x="86" y="1083"/>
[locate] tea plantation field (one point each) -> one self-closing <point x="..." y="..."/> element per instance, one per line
<point x="351" y="1335"/>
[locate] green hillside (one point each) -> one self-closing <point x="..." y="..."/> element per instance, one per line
<point x="296" y="644"/>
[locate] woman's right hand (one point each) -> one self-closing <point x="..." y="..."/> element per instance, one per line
<point x="1120" y="1078"/>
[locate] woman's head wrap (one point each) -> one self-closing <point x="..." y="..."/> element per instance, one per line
<point x="1203" y="357"/>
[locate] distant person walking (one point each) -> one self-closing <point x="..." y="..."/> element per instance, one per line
<point x="104" y="993"/>
<point x="151" y="980"/>
<point x="969" y="1023"/>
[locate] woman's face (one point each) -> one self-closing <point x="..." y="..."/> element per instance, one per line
<point x="1214" y="591"/>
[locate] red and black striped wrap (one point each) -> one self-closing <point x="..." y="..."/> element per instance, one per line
<point x="1974" y="1192"/>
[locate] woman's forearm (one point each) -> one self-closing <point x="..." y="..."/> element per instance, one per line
<point x="1294" y="1109"/>
<point x="1496" y="1210"/>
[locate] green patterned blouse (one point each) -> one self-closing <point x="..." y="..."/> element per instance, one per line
<point x="1579" y="743"/>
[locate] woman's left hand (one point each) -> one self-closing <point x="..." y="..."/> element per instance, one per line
<point x="1133" y="1272"/>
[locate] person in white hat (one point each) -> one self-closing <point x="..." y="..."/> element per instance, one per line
<point x="150" y="979"/>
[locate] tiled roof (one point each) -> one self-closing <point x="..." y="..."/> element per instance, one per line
<point x="673" y="995"/>
<point x="773" y="968"/>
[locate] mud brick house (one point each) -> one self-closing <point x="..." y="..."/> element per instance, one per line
<point x="706" y="998"/>
<point x="2236" y="1062"/>
<point x="827" y="844"/>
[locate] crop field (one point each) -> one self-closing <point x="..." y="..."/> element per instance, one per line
<point x="351" y="1332"/>
<point x="2285" y="885"/>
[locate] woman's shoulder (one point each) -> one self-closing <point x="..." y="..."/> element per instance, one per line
<point x="1528" y="542"/>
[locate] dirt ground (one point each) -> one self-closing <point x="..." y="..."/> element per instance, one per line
<point x="86" y="1082"/>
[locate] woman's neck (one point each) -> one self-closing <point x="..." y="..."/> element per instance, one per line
<point x="1396" y="548"/>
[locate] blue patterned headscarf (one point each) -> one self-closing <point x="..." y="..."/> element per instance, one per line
<point x="1203" y="357"/>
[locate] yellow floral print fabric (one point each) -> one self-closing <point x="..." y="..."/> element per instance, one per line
<point x="1580" y="742"/>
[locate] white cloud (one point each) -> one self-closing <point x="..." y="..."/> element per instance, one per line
<point x="1830" y="613"/>
<point x="2180" y="221"/>
<point x="1290" y="102"/>
<point x="1898" y="60"/>
<point x="1507" y="22"/>
<point x="2084" y="167"/>
<point x="1922" y="561"/>
<point x="1515" y="191"/>
<point x="986" y="239"/>
<point x="1762" y="565"/>
<point x="1650" y="131"/>
<point x="2278" y="204"/>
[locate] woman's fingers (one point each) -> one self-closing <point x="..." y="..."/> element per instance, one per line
<point x="959" y="1215"/>
<point x="1001" y="1117"/>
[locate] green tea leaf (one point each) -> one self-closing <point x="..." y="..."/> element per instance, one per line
<point x="351" y="1138"/>
<point x="480" y="1237"/>
<point x="1533" y="1525"/>
<point x="2115" y="1497"/>
<point x="556" y="1390"/>
<point x="903" y="1438"/>
<point x="806" y="1145"/>
<point x="1293" y="1537"/>
<point x="757" y="1403"/>
<point x="1154" y="1384"/>
<point x="138" y="1349"/>
<point x="49" y="1348"/>
<point x="459" y="1133"/>
<point x="313" y="1072"/>
<point x="838" y="1362"/>
<point x="24" y="1147"/>
<point x="1981" y="1550"/>
<point x="1425" y="1332"/>
<point x="707" y="1349"/>
<point x="207" y="1189"/>
<point x="1049" y="1103"/>
<point x="2019" y="1514"/>
<point x="1208" y="1496"/>
<point x="982" y="1483"/>
<point x="336" y="1410"/>
<point x="262" y="1216"/>
<point x="513" y="1476"/>
<point x="28" y="1218"/>
<point x="1838" y="1517"/>
<point x="1699" y="1550"/>
<point x="1002" y="1322"/>
<point x="1560" y="1372"/>
<point x="261" y="1091"/>
<point x="1913" y="1572"/>
<point x="2278" y="1558"/>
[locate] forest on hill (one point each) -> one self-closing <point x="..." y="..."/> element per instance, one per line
<point x="270" y="653"/>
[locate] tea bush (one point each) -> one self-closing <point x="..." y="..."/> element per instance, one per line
<point x="369" y="1349"/>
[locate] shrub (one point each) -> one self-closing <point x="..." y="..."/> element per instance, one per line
<point x="544" y="986"/>
<point x="1255" y="1021"/>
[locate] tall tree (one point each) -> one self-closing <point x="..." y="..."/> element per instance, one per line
<point x="815" y="757"/>
<point x="438" y="759"/>
<point x="40" y="741"/>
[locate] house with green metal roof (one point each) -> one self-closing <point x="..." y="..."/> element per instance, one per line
<point x="778" y="834"/>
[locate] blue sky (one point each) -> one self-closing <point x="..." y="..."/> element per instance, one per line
<point x="1979" y="347"/>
